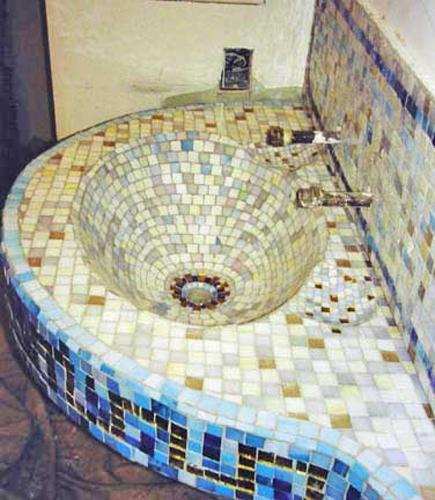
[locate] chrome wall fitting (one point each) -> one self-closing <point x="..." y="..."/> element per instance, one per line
<point x="277" y="137"/>
<point x="315" y="196"/>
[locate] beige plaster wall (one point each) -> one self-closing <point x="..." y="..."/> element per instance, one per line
<point x="111" y="57"/>
<point x="410" y="26"/>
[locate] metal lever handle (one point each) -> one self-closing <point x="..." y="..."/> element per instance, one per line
<point x="276" y="137"/>
<point x="315" y="196"/>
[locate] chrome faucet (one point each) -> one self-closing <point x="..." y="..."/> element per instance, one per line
<point x="315" y="196"/>
<point x="276" y="137"/>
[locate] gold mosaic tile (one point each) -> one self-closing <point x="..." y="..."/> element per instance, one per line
<point x="96" y="300"/>
<point x="291" y="391"/>
<point x="390" y="357"/>
<point x="341" y="421"/>
<point x="266" y="363"/>
<point x="298" y="416"/>
<point x="316" y="343"/>
<point x="194" y="334"/>
<point x="194" y="383"/>
<point x="294" y="319"/>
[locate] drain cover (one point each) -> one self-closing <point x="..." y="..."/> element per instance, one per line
<point x="199" y="291"/>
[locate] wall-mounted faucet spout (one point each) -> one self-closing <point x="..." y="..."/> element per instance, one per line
<point x="276" y="137"/>
<point x="315" y="196"/>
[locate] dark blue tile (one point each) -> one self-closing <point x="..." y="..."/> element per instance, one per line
<point x="160" y="409"/>
<point x="263" y="479"/>
<point x="353" y="494"/>
<point x="211" y="441"/>
<point x="147" y="444"/>
<point x="285" y="486"/>
<point x="112" y="385"/>
<point x="340" y="467"/>
<point x="211" y="452"/>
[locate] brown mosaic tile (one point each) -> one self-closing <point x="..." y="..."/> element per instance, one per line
<point x="390" y="356"/>
<point x="56" y="235"/>
<point x="411" y="351"/>
<point x="352" y="248"/>
<point x="428" y="410"/>
<point x="96" y="300"/>
<point x="34" y="261"/>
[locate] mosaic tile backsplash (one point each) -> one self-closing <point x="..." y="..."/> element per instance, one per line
<point x="318" y="399"/>
<point x="357" y="80"/>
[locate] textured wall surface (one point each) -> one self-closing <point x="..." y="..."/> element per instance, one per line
<point x="109" y="59"/>
<point x="410" y="25"/>
<point x="357" y="80"/>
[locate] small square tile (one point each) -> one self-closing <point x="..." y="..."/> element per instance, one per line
<point x="390" y="357"/>
<point x="316" y="343"/>
<point x="342" y="421"/>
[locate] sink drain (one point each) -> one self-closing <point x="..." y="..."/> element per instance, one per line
<point x="199" y="291"/>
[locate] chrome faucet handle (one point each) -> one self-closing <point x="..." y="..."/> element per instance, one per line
<point x="315" y="196"/>
<point x="277" y="137"/>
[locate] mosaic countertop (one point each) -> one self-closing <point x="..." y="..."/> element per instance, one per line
<point x="332" y="355"/>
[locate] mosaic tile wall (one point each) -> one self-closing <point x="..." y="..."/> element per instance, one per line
<point x="356" y="80"/>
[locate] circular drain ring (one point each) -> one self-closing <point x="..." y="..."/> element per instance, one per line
<point x="199" y="291"/>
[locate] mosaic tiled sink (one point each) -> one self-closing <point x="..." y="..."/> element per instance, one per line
<point x="316" y="399"/>
<point x="195" y="228"/>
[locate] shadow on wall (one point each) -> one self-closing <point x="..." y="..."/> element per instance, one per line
<point x="26" y="110"/>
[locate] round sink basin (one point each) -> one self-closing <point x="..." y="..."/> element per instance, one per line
<point x="190" y="226"/>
